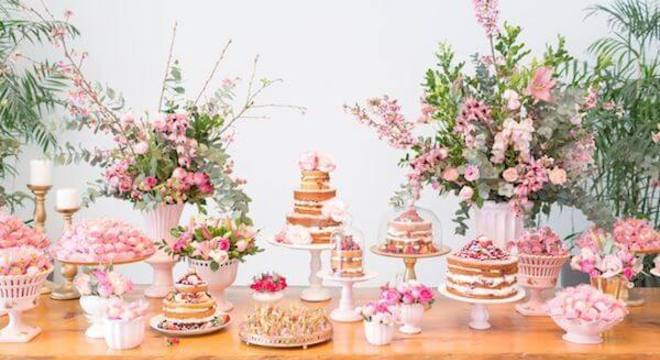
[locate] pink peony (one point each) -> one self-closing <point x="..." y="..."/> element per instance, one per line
<point x="541" y="84"/>
<point x="308" y="161"/>
<point x="335" y="209"/>
<point x="471" y="173"/>
<point x="510" y="174"/>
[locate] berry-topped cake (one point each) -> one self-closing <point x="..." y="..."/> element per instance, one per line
<point x="314" y="192"/>
<point x="190" y="307"/>
<point x="346" y="257"/>
<point x="409" y="233"/>
<point x="481" y="270"/>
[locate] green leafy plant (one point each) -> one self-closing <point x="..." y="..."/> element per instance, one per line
<point x="28" y="88"/>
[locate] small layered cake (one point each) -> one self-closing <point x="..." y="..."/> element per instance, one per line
<point x="314" y="192"/>
<point x="346" y="258"/>
<point x="409" y="233"/>
<point x="481" y="270"/>
<point x="189" y="306"/>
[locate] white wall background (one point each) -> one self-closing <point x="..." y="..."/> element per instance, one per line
<point x="329" y="53"/>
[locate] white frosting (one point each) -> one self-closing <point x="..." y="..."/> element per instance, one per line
<point x="426" y="239"/>
<point x="308" y="203"/>
<point x="481" y="280"/>
<point x="505" y="291"/>
<point x="353" y="258"/>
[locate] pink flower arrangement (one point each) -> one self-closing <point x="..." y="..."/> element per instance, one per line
<point x="268" y="283"/>
<point x="509" y="133"/>
<point x="23" y="260"/>
<point x="118" y="309"/>
<point x="381" y="312"/>
<point x="103" y="241"/>
<point x="14" y="232"/>
<point x="601" y="256"/>
<point x="636" y="234"/>
<point x="540" y="241"/>
<point x="316" y="161"/>
<point x="586" y="303"/>
<point x="105" y="283"/>
<point x="294" y="234"/>
<point x="218" y="240"/>
<point x="409" y="292"/>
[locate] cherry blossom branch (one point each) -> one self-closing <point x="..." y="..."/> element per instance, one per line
<point x="215" y="69"/>
<point x="167" y="67"/>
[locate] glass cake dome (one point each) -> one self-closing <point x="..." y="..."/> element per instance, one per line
<point x="412" y="230"/>
<point x="348" y="249"/>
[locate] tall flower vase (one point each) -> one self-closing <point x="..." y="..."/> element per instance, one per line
<point x="158" y="223"/>
<point x="498" y="222"/>
<point x="218" y="280"/>
<point x="411" y="317"/>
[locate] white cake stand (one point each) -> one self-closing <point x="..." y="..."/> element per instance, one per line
<point x="655" y="272"/>
<point x="315" y="292"/>
<point x="479" y="314"/>
<point x="346" y="311"/>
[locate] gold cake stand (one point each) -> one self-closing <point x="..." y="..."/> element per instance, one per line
<point x="285" y="341"/>
<point x="409" y="260"/>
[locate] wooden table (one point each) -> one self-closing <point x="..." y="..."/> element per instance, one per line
<point x="445" y="335"/>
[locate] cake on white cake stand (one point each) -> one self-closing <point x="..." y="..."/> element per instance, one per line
<point x="479" y="315"/>
<point x="315" y="292"/>
<point x="346" y="311"/>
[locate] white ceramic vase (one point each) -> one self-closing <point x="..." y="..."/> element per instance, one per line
<point x="218" y="280"/>
<point x="411" y="317"/>
<point x="158" y="223"/>
<point x="498" y="222"/>
<point x="94" y="308"/>
<point x="124" y="334"/>
<point x="267" y="298"/>
<point x="377" y="333"/>
<point x="583" y="332"/>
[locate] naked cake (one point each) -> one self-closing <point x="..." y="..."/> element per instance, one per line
<point x="409" y="233"/>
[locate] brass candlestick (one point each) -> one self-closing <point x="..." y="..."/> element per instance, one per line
<point x="40" y="192"/>
<point x="67" y="291"/>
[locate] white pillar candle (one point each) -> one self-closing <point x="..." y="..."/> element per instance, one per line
<point x="40" y="173"/>
<point x="67" y="199"/>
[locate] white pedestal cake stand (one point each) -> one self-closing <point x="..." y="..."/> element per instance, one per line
<point x="655" y="272"/>
<point x="479" y="315"/>
<point x="346" y="312"/>
<point x="315" y="292"/>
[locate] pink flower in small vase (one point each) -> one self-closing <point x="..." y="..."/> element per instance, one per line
<point x="149" y="182"/>
<point x="541" y="84"/>
<point x="223" y="244"/>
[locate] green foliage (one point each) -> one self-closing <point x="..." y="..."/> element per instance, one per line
<point x="27" y="91"/>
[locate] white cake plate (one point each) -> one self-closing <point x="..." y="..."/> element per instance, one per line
<point x="155" y="320"/>
<point x="315" y="292"/>
<point x="479" y="314"/>
<point x="346" y="311"/>
<point x="655" y="272"/>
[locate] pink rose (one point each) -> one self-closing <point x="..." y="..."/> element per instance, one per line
<point x="450" y="174"/>
<point x="335" y="209"/>
<point x="179" y="173"/>
<point x="308" y="161"/>
<point x="223" y="244"/>
<point x="407" y="298"/>
<point x="557" y="176"/>
<point x="541" y="84"/>
<point x="471" y="173"/>
<point x="510" y="174"/>
<point x="241" y="245"/>
<point x="466" y="193"/>
<point x="425" y="295"/>
<point x="325" y="162"/>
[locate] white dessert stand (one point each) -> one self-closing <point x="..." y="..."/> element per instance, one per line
<point x="315" y="292"/>
<point x="479" y="314"/>
<point x="346" y="311"/>
<point x="655" y="272"/>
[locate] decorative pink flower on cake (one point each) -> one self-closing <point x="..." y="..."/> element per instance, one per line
<point x="14" y="232"/>
<point x="294" y="234"/>
<point x="105" y="283"/>
<point x="335" y="209"/>
<point x="586" y="303"/>
<point x="311" y="161"/>
<point x="23" y="260"/>
<point x="483" y="249"/>
<point x="541" y="241"/>
<point x="104" y="241"/>
<point x="541" y="84"/>
<point x="118" y="309"/>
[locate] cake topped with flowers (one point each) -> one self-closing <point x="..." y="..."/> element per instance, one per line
<point x="103" y="241"/>
<point x="23" y="260"/>
<point x="482" y="249"/>
<point x="14" y="232"/>
<point x="481" y="270"/>
<point x="409" y="233"/>
<point x="542" y="241"/>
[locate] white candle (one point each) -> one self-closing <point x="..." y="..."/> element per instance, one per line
<point x="40" y="173"/>
<point x="67" y="199"/>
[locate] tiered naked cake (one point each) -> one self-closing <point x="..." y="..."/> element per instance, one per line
<point x="481" y="270"/>
<point x="409" y="233"/>
<point x="314" y="192"/>
<point x="346" y="258"/>
<point x="189" y="306"/>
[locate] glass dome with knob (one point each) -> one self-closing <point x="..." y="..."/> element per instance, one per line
<point x="347" y="255"/>
<point x="410" y="231"/>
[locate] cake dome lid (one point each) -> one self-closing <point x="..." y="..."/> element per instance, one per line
<point x="347" y="238"/>
<point x="410" y="230"/>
